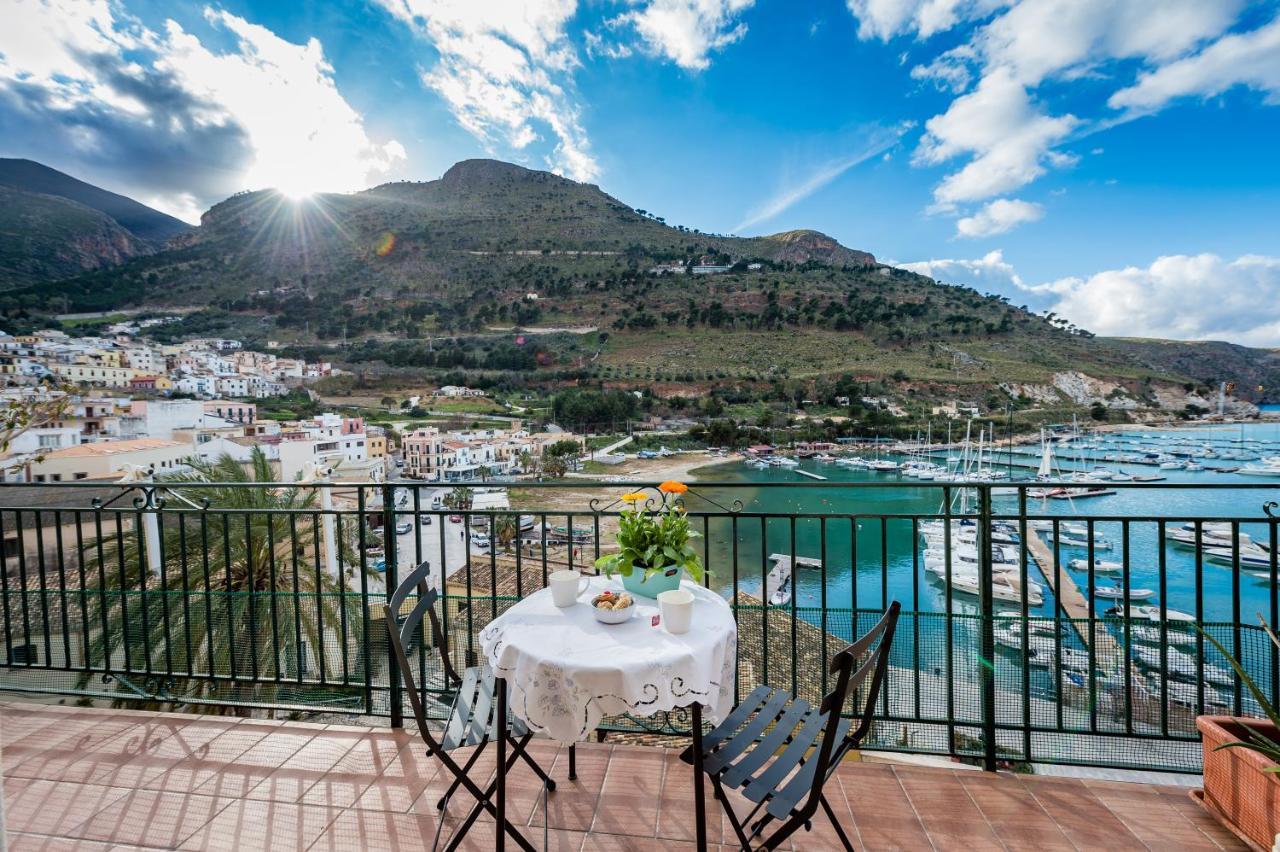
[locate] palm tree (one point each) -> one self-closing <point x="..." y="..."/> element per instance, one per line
<point x="241" y="594"/>
<point x="505" y="530"/>
<point x="459" y="498"/>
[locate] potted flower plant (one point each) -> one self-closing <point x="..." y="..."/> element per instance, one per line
<point x="1242" y="764"/>
<point x="654" y="550"/>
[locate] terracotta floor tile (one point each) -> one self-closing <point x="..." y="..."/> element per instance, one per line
<point x="481" y="838"/>
<point x="1084" y="819"/>
<point x="631" y="794"/>
<point x="301" y="770"/>
<point x="253" y="766"/>
<point x="284" y="785"/>
<point x="573" y="807"/>
<point x="151" y="818"/>
<point x="676" y="806"/>
<point x="204" y="762"/>
<point x="45" y="843"/>
<point x="401" y="783"/>
<point x="251" y="824"/>
<point x="595" y="842"/>
<point x="52" y="807"/>
<point x="394" y="832"/>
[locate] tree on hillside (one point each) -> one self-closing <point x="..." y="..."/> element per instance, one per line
<point x="555" y="467"/>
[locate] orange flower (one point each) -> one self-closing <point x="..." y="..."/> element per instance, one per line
<point x="673" y="487"/>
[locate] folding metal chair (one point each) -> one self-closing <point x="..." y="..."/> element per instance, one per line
<point x="474" y="709"/>
<point x="806" y="744"/>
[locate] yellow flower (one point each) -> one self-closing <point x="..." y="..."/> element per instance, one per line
<point x="673" y="487"/>
<point x="633" y="497"/>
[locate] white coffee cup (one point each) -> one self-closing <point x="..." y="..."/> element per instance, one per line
<point x="677" y="610"/>
<point x="566" y="586"/>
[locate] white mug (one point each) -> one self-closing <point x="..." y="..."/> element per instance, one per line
<point x="566" y="586"/>
<point x="677" y="610"/>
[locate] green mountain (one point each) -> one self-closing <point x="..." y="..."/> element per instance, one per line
<point x="146" y="224"/>
<point x="53" y="226"/>
<point x="46" y="238"/>
<point x="438" y="275"/>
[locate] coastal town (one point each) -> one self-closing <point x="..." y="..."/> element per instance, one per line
<point x="121" y="403"/>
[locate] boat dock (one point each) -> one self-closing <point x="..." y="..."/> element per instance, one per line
<point x="1072" y="601"/>
<point x="811" y="475"/>
<point x="778" y="586"/>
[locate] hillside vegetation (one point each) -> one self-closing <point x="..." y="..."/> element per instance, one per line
<point x="45" y="238"/>
<point x="411" y="280"/>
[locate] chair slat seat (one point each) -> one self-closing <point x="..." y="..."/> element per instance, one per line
<point x="472" y="716"/>
<point x="778" y="751"/>
<point x="474" y="710"/>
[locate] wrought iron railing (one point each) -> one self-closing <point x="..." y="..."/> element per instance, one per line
<point x="250" y="595"/>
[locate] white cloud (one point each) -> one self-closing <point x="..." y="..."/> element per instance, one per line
<point x="999" y="216"/>
<point x="949" y="71"/>
<point x="884" y="19"/>
<point x="814" y="179"/>
<point x="1019" y="45"/>
<point x="504" y="71"/>
<point x="163" y="117"/>
<point x="1179" y="297"/>
<point x="304" y="134"/>
<point x="1038" y="39"/>
<point x="1007" y="137"/>
<point x="1186" y="297"/>
<point x="989" y="273"/>
<point x="686" y="32"/>
<point x="1251" y="59"/>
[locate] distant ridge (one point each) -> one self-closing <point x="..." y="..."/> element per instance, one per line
<point x="138" y="219"/>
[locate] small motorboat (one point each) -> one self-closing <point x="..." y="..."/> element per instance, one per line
<point x="1118" y="593"/>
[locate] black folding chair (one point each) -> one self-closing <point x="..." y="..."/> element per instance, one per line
<point x="806" y="744"/>
<point x="473" y="709"/>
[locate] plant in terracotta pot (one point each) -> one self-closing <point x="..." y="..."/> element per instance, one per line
<point x="1242" y="763"/>
<point x="654" y="549"/>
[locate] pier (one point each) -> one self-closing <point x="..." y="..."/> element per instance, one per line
<point x="779" y="585"/>
<point x="811" y="475"/>
<point x="1072" y="601"/>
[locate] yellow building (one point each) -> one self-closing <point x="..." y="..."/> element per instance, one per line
<point x="93" y="374"/>
<point x="108" y="458"/>
<point x="376" y="446"/>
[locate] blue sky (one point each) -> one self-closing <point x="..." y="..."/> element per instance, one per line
<point x="1113" y="160"/>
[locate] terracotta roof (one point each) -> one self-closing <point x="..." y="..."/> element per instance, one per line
<point x="111" y="448"/>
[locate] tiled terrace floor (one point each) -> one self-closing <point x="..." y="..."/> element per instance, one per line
<point x="98" y="779"/>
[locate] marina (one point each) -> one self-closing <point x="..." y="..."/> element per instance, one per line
<point x="1139" y="555"/>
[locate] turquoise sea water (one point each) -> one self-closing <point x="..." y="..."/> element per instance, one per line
<point x="887" y="565"/>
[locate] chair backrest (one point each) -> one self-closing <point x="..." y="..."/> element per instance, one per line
<point x="874" y="665"/>
<point x="401" y="629"/>
<point x="848" y="680"/>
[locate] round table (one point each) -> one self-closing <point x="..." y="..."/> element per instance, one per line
<point x="567" y="671"/>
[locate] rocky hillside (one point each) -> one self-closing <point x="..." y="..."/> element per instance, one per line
<point x="53" y="226"/>
<point x="150" y="226"/>
<point x="436" y="275"/>
<point x="46" y="238"/>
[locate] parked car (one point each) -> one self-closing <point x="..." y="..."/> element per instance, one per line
<point x="403" y="527"/>
<point x="455" y="519"/>
<point x="425" y="520"/>
<point x="479" y="541"/>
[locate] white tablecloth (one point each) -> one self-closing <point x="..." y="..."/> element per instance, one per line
<point x="567" y="671"/>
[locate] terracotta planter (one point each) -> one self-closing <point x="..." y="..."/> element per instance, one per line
<point x="1236" y="789"/>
